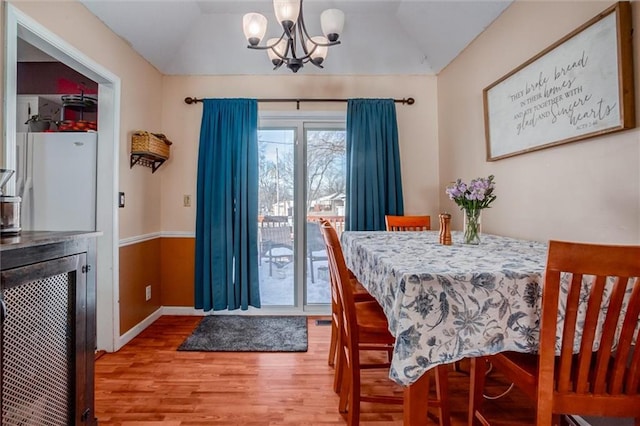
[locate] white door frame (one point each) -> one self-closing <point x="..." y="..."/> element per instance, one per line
<point x="18" y="24"/>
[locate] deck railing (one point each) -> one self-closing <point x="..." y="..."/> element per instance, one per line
<point x="283" y="222"/>
<point x="336" y="221"/>
<point x="276" y="231"/>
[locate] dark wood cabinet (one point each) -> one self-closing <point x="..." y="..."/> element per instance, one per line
<point x="48" y="332"/>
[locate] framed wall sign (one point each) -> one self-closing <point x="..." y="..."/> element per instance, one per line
<point x="580" y="87"/>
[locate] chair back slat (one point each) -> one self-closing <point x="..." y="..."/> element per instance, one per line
<point x="628" y="339"/>
<point x="565" y="378"/>
<point x="408" y="223"/>
<point x="632" y="381"/>
<point x="608" y="339"/>
<point x="589" y="329"/>
<point x="604" y="278"/>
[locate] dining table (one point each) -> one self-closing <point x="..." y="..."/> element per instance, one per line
<point x="448" y="302"/>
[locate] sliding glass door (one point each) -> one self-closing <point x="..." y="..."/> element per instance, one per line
<point x="301" y="178"/>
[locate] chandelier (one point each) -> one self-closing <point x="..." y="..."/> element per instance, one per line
<point x="295" y="47"/>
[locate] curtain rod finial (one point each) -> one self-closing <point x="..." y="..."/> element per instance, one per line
<point x="189" y="100"/>
<point x="411" y="101"/>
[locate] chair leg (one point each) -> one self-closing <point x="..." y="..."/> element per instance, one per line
<point x="337" y="357"/>
<point x="353" y="411"/>
<point x="334" y="342"/>
<point x="339" y="374"/>
<point x="477" y="370"/>
<point x="345" y="385"/>
<point x="442" y="392"/>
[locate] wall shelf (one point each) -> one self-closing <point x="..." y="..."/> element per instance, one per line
<point x="146" y="159"/>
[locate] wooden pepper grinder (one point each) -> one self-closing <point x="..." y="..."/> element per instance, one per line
<point x="445" y="229"/>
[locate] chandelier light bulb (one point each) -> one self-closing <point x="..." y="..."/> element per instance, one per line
<point x="278" y="49"/>
<point x="254" y="26"/>
<point x="332" y="22"/>
<point x="287" y="12"/>
<point x="318" y="54"/>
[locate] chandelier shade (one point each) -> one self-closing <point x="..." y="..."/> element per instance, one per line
<point x="287" y="11"/>
<point x="277" y="52"/>
<point x="255" y="27"/>
<point x="317" y="47"/>
<point x="295" y="47"/>
<point x="332" y="21"/>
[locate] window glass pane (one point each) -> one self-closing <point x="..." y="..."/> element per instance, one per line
<point x="326" y="177"/>
<point x="275" y="220"/>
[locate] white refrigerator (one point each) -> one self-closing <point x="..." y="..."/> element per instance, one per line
<point x="56" y="178"/>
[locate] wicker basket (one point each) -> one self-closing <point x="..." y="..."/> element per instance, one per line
<point x="143" y="142"/>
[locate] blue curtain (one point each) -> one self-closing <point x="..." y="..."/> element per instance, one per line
<point x="226" y="270"/>
<point x="374" y="184"/>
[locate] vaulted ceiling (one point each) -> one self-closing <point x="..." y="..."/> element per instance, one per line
<point x="186" y="37"/>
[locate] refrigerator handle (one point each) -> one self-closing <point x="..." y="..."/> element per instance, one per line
<point x="20" y="187"/>
<point x="26" y="213"/>
<point x="21" y="144"/>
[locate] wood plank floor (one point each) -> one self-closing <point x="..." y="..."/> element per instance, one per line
<point x="148" y="382"/>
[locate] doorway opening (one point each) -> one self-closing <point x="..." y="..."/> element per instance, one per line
<point x="21" y="26"/>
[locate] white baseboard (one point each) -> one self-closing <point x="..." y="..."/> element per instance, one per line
<point x="182" y="310"/>
<point x="139" y="328"/>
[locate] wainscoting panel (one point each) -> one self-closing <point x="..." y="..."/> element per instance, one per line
<point x="177" y="268"/>
<point x="139" y="267"/>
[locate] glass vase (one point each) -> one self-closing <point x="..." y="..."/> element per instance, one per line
<point x="472" y="226"/>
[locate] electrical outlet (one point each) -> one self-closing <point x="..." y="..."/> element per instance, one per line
<point x="186" y="200"/>
<point x="147" y="291"/>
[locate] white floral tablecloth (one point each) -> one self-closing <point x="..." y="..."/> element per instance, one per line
<point x="445" y="303"/>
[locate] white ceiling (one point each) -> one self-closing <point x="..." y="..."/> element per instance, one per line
<point x="186" y="37"/>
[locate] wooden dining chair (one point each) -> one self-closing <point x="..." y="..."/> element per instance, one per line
<point x="408" y="223"/>
<point x="363" y="326"/>
<point x="602" y="377"/>
<point x="360" y="294"/>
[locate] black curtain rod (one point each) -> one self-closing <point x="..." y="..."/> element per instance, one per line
<point x="409" y="101"/>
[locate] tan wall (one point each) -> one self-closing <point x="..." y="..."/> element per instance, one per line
<point x="141" y="100"/>
<point x="417" y="128"/>
<point x="583" y="191"/>
<point x="139" y="267"/>
<point x="177" y="263"/>
<point x="167" y="265"/>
